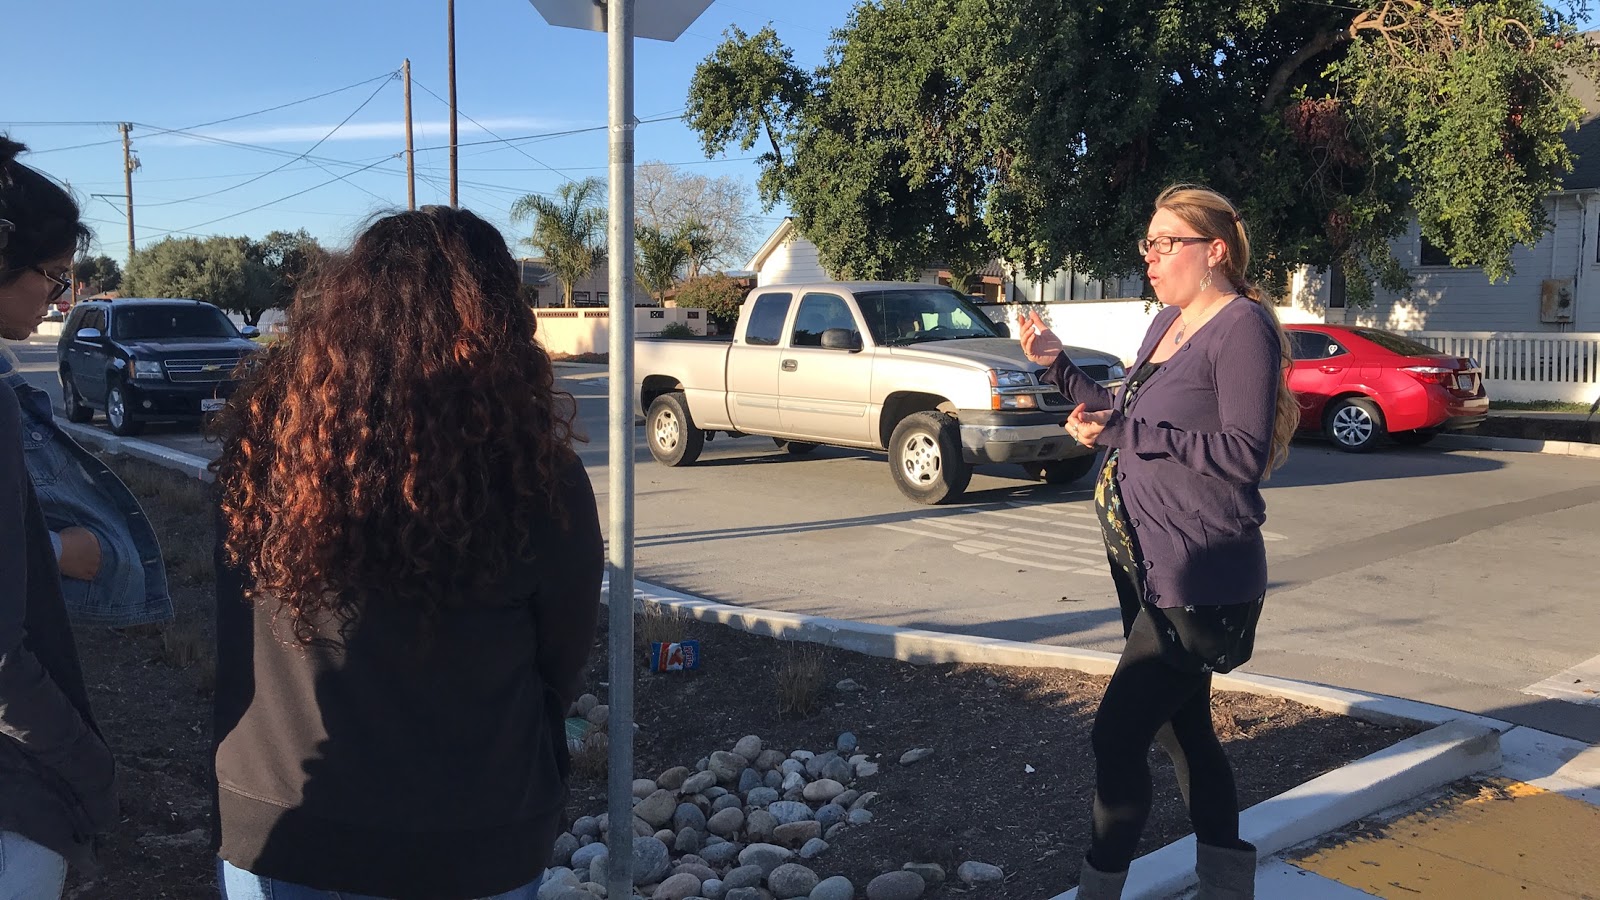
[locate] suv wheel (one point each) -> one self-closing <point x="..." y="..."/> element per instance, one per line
<point x="71" y="402"/>
<point x="118" y="412"/>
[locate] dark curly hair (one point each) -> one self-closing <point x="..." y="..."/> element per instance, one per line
<point x="397" y="446"/>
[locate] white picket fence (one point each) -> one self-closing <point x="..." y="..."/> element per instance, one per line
<point x="1527" y="366"/>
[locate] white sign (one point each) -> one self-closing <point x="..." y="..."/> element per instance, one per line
<point x="662" y="20"/>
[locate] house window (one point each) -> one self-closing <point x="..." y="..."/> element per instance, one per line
<point x="1430" y="254"/>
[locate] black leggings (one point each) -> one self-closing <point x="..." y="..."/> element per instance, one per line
<point x="1150" y="700"/>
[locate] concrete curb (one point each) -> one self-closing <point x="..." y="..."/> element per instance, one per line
<point x="927" y="647"/>
<point x="187" y="463"/>
<point x="1521" y="445"/>
<point x="1412" y="767"/>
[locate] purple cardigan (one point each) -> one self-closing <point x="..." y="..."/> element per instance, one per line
<point x="1194" y="446"/>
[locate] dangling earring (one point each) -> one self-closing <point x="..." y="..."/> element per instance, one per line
<point x="1206" y="281"/>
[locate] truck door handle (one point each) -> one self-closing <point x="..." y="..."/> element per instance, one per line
<point x="790" y="365"/>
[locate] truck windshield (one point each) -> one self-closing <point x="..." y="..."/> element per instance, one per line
<point x="155" y="322"/>
<point x="900" y="316"/>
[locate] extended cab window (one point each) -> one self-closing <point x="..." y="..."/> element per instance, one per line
<point x="152" y="322"/>
<point x="767" y="316"/>
<point x="818" y="313"/>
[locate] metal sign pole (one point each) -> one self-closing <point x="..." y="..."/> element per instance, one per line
<point x="619" y="249"/>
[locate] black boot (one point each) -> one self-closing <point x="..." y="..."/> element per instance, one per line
<point x="1226" y="873"/>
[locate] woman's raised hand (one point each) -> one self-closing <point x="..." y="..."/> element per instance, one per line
<point x="1039" y="343"/>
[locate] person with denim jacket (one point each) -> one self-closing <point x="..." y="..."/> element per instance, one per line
<point x="112" y="572"/>
<point x="57" y="777"/>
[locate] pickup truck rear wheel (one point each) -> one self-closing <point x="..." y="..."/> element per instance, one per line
<point x="795" y="448"/>
<point x="1061" y="471"/>
<point x="674" y="440"/>
<point x="925" y="458"/>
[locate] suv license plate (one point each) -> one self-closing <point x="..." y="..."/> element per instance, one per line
<point x="212" y="405"/>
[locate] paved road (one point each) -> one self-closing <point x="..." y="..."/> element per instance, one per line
<point x="1456" y="577"/>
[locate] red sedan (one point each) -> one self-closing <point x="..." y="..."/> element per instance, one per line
<point x="1359" y="385"/>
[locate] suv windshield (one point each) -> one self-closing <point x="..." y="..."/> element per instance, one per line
<point x="1394" y="343"/>
<point x="902" y="316"/>
<point x="133" y="323"/>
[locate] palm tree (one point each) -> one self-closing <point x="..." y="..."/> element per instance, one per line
<point x="662" y="254"/>
<point x="570" y="232"/>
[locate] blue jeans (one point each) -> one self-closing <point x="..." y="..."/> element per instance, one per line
<point x="237" y="884"/>
<point x="29" y="871"/>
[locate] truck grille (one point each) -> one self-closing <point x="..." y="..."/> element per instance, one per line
<point x="218" y="369"/>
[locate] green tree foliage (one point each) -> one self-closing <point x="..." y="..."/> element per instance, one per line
<point x="568" y="231"/>
<point x="1040" y="131"/>
<point x="97" y="273"/>
<point x="289" y="257"/>
<point x="218" y="270"/>
<point x="719" y="295"/>
<point x="660" y="255"/>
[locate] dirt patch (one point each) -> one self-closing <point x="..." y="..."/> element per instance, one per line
<point x="973" y="799"/>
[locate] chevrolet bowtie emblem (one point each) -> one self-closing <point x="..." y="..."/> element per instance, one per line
<point x="212" y="368"/>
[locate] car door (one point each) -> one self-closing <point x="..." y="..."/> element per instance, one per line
<point x="1321" y="367"/>
<point x="753" y="363"/>
<point x="824" y="393"/>
<point x="87" y="357"/>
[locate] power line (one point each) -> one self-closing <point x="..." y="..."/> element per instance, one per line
<point x="189" y="228"/>
<point x="160" y="131"/>
<point x="304" y="155"/>
<point x="491" y="133"/>
<point x="549" y="134"/>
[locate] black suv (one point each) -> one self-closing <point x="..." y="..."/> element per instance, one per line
<point x="148" y="359"/>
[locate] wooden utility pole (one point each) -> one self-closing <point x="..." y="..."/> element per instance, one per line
<point x="411" y="153"/>
<point x="128" y="165"/>
<point x="451" y="10"/>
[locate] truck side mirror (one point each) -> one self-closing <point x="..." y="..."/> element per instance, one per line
<point x="841" y="339"/>
<point x="1003" y="328"/>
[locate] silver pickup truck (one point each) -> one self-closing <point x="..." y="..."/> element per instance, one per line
<point x="914" y="369"/>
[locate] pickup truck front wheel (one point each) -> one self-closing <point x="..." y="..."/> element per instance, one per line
<point x="674" y="440"/>
<point x="925" y="457"/>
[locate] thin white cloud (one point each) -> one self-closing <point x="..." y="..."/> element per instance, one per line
<point x="374" y="131"/>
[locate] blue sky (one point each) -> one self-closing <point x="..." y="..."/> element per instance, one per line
<point x="180" y="63"/>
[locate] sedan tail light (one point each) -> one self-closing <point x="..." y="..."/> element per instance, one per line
<point x="1429" y="374"/>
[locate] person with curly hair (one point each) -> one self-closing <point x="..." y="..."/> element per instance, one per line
<point x="408" y="578"/>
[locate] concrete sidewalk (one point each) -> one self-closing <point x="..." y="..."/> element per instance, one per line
<point x="1529" y="829"/>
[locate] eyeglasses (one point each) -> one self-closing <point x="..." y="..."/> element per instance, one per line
<point x="1167" y="244"/>
<point x="61" y="283"/>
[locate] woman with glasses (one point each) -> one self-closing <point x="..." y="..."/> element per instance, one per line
<point x="56" y="774"/>
<point x="1202" y="420"/>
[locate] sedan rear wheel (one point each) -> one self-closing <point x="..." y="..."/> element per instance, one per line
<point x="1355" y="424"/>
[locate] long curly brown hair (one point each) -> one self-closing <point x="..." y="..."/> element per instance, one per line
<point x="398" y="445"/>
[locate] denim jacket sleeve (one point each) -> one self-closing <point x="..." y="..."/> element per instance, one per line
<point x="34" y="711"/>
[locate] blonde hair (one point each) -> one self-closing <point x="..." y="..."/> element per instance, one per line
<point x="1214" y="216"/>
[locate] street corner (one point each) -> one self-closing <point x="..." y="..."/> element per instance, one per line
<point x="1484" y="837"/>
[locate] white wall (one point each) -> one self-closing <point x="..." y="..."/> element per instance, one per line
<point x="1114" y="326"/>
<point x="575" y="331"/>
<point x="794" y="260"/>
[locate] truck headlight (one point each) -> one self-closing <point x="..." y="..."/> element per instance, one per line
<point x="1011" y="389"/>
<point x="147" y="368"/>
